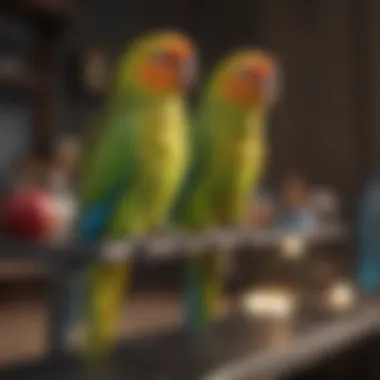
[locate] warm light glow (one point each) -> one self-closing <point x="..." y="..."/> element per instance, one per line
<point x="293" y="247"/>
<point x="341" y="296"/>
<point x="269" y="303"/>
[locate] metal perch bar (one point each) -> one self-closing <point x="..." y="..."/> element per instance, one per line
<point x="164" y="246"/>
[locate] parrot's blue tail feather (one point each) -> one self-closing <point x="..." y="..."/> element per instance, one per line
<point x="92" y="224"/>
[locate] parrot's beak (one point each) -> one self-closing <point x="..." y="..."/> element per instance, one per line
<point x="187" y="73"/>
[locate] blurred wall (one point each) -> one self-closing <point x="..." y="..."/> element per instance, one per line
<point x="324" y="125"/>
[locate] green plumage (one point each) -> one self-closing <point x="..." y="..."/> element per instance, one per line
<point x="156" y="146"/>
<point x="132" y="170"/>
<point x="161" y="151"/>
<point x="228" y="154"/>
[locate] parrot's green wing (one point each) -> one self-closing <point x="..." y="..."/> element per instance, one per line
<point x="227" y="158"/>
<point x="181" y="213"/>
<point x="109" y="169"/>
<point x="134" y="167"/>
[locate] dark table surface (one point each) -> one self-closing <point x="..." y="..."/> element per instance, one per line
<point x="236" y="348"/>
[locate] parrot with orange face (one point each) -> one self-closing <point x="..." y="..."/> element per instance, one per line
<point x="132" y="169"/>
<point x="228" y="150"/>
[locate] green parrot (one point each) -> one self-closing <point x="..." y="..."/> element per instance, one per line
<point x="133" y="167"/>
<point x="227" y="159"/>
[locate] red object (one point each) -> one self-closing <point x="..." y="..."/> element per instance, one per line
<point x="29" y="214"/>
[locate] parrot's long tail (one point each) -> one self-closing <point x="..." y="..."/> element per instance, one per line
<point x="90" y="225"/>
<point x="204" y="287"/>
<point x="71" y="300"/>
<point x="107" y="287"/>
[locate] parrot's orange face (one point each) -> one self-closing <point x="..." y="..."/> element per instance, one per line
<point x="168" y="66"/>
<point x="250" y="80"/>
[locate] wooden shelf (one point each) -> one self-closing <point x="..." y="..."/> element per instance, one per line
<point x="15" y="270"/>
<point x="235" y="347"/>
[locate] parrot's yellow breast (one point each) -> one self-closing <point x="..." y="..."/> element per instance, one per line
<point x="238" y="163"/>
<point x="162" y="159"/>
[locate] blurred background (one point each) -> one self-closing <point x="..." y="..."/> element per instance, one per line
<point x="56" y="62"/>
<point x="328" y="53"/>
